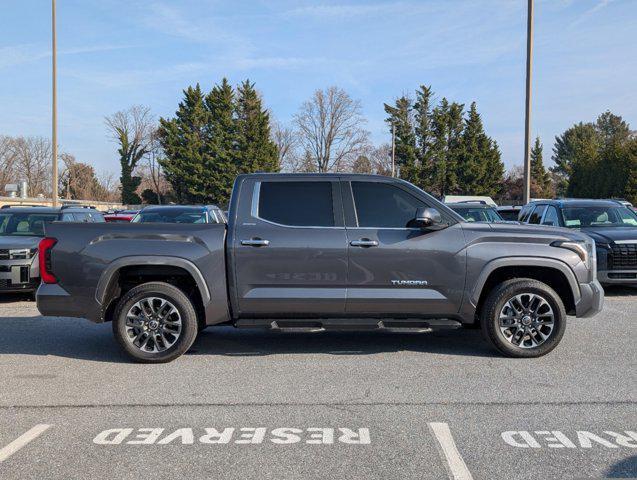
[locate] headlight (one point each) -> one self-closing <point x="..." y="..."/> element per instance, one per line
<point x="19" y="254"/>
<point x="585" y="250"/>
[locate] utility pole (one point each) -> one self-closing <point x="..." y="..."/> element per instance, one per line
<point x="393" y="150"/>
<point x="54" y="119"/>
<point x="527" y="118"/>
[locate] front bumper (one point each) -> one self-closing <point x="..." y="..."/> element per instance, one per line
<point x="591" y="299"/>
<point x="617" y="277"/>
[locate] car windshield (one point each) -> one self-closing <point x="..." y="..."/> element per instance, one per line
<point x="599" y="216"/>
<point x="25" y="224"/>
<point x="480" y="215"/>
<point x="171" y="215"/>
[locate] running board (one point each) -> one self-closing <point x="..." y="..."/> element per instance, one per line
<point x="348" y="324"/>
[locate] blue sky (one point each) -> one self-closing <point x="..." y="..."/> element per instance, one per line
<point x="115" y="53"/>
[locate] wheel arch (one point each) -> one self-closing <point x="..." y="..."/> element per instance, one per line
<point x="108" y="288"/>
<point x="555" y="273"/>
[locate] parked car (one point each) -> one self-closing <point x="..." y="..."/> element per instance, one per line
<point x="123" y="216"/>
<point x="21" y="229"/>
<point x="315" y="252"/>
<point x="476" y="212"/>
<point x="180" y="214"/>
<point x="612" y="225"/>
<point x="510" y="213"/>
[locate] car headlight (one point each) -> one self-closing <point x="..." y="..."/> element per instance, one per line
<point x="22" y="253"/>
<point x="585" y="250"/>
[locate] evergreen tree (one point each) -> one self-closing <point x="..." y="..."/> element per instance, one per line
<point x="362" y="164"/>
<point x="447" y="126"/>
<point x="400" y="116"/>
<point x="579" y="144"/>
<point x="492" y="182"/>
<point x="221" y="166"/>
<point x="472" y="163"/>
<point x="424" y="135"/>
<point x="255" y="151"/>
<point x="540" y="179"/>
<point x="185" y="141"/>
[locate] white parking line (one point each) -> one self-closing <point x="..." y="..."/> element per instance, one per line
<point x="457" y="468"/>
<point x="22" y="440"/>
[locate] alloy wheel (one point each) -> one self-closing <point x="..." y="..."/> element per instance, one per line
<point x="153" y="324"/>
<point x="527" y="320"/>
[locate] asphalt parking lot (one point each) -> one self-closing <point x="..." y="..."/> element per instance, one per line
<point x="253" y="404"/>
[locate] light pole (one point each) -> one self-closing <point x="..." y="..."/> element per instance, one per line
<point x="393" y="150"/>
<point x="54" y="133"/>
<point x="527" y="117"/>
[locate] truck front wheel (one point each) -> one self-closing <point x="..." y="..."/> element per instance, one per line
<point x="155" y="322"/>
<point x="523" y="318"/>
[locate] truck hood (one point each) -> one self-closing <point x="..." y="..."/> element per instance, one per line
<point x="558" y="233"/>
<point x="611" y="234"/>
<point x="9" y="242"/>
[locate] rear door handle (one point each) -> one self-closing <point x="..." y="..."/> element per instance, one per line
<point x="256" y="242"/>
<point x="364" y="242"/>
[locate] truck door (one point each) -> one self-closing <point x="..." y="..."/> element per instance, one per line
<point x="289" y="250"/>
<point x="395" y="270"/>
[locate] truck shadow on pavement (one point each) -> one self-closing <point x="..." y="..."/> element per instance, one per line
<point x="77" y="339"/>
<point x="620" y="291"/>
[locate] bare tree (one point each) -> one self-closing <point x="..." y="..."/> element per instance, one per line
<point x="330" y="129"/>
<point x="132" y="129"/>
<point x="381" y="159"/>
<point x="286" y="142"/>
<point x="7" y="161"/>
<point x="33" y="163"/>
<point x="110" y="186"/>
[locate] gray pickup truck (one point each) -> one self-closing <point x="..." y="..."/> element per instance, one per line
<point x="306" y="252"/>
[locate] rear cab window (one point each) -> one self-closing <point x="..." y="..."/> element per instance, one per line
<point x="297" y="203"/>
<point x="536" y="216"/>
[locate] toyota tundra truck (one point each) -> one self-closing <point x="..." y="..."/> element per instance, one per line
<point x="313" y="252"/>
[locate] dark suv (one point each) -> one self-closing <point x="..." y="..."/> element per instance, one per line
<point x="611" y="224"/>
<point x="21" y="229"/>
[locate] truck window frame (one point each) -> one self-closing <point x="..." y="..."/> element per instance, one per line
<point x="349" y="204"/>
<point x="337" y="203"/>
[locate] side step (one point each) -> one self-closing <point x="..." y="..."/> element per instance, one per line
<point x="348" y="324"/>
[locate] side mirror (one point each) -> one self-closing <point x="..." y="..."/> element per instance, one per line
<point x="427" y="219"/>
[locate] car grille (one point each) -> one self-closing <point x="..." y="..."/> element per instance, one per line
<point x="6" y="284"/>
<point x="623" y="256"/>
<point x="4" y="254"/>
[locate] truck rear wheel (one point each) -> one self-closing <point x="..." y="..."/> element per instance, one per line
<point x="523" y="318"/>
<point x="155" y="323"/>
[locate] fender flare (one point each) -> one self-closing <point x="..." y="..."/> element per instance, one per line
<point x="111" y="271"/>
<point x="493" y="265"/>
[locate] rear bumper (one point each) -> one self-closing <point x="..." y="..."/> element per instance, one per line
<point x="53" y="301"/>
<point x="591" y="300"/>
<point x="617" y="277"/>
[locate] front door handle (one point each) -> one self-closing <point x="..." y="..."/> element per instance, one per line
<point x="364" y="242"/>
<point x="256" y="242"/>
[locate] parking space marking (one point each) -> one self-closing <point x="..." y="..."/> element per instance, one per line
<point x="457" y="468"/>
<point x="23" y="440"/>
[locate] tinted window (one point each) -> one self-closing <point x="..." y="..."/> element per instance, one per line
<point x="297" y="203"/>
<point x="171" y="215"/>
<point x="525" y="212"/>
<point x="82" y="217"/>
<point x="26" y="224"/>
<point x="97" y="217"/>
<point x="488" y="215"/>
<point x="550" y="218"/>
<point x="509" y="215"/>
<point x="383" y="205"/>
<point x="599" y="216"/>
<point x="536" y="216"/>
<point x="68" y="217"/>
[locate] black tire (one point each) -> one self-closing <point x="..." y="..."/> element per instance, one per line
<point x="181" y="303"/>
<point x="495" y="302"/>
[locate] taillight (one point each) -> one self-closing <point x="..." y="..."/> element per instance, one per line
<point x="46" y="273"/>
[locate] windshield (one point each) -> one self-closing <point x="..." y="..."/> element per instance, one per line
<point x="25" y="224"/>
<point x="171" y="215"/>
<point x="602" y="216"/>
<point x="480" y="215"/>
